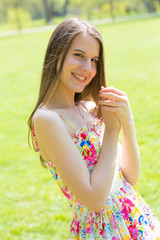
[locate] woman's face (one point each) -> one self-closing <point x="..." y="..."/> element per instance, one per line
<point x="80" y="65"/>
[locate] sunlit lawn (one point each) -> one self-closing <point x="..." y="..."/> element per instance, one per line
<point x="31" y="205"/>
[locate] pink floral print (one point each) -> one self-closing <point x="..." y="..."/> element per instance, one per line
<point x="125" y="214"/>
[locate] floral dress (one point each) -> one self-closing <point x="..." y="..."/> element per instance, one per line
<point x="125" y="214"/>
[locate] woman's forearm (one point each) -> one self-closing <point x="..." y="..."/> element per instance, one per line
<point x="103" y="173"/>
<point x="130" y="160"/>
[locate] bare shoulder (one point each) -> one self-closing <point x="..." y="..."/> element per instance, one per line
<point x="48" y="118"/>
<point x="51" y="132"/>
<point x="43" y="114"/>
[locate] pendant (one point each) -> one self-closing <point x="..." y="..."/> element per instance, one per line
<point x="84" y="118"/>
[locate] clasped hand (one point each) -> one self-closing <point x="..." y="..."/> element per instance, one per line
<point x="115" y="107"/>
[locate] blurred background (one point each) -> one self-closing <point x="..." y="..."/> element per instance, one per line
<point x="32" y="207"/>
<point x="17" y="14"/>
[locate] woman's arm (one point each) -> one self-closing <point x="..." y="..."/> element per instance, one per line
<point x="56" y="143"/>
<point x="117" y="102"/>
<point x="130" y="159"/>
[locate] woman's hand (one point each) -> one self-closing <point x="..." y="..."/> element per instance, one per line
<point x="116" y="102"/>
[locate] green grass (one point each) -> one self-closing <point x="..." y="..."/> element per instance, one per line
<point x="32" y="206"/>
<point x="29" y="24"/>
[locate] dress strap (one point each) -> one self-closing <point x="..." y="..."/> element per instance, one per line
<point x="34" y="138"/>
<point x="68" y="122"/>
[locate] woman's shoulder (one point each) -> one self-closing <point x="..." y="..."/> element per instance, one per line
<point x="44" y="115"/>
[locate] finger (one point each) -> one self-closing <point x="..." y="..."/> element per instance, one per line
<point x="111" y="103"/>
<point x="114" y="90"/>
<point x="113" y="96"/>
<point x="110" y="109"/>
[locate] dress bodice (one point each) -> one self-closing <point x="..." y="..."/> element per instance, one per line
<point x="88" y="140"/>
<point x="125" y="214"/>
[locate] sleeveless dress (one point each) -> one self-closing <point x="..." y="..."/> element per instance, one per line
<point x="125" y="214"/>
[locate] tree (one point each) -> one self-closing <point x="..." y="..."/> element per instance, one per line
<point x="18" y="17"/>
<point x="150" y="5"/>
<point x="16" y="7"/>
<point x="111" y="2"/>
<point x="48" y="10"/>
<point x="66" y="3"/>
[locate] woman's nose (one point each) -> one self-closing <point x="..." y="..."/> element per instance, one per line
<point x="86" y="66"/>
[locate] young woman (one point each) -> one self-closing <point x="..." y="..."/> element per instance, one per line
<point x="75" y="127"/>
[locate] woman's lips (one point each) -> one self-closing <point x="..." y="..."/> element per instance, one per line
<point x="79" y="77"/>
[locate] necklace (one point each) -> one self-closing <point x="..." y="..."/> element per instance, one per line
<point x="79" y="111"/>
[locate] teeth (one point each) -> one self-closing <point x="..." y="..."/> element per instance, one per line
<point x="81" y="78"/>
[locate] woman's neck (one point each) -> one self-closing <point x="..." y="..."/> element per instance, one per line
<point x="63" y="99"/>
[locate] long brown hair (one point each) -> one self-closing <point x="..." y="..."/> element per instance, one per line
<point x="57" y="49"/>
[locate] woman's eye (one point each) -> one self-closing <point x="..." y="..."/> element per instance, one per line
<point x="78" y="55"/>
<point x="95" y="60"/>
<point x="81" y="56"/>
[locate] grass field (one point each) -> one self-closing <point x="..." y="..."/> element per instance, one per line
<point x="31" y="205"/>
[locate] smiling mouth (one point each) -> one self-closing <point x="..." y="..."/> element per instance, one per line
<point x="81" y="78"/>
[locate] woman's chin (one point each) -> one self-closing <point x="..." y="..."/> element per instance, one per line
<point x="79" y="89"/>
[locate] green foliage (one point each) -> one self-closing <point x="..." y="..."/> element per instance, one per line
<point x="58" y="5"/>
<point x="102" y="9"/>
<point x="76" y="3"/>
<point x="32" y="206"/>
<point x="95" y="9"/>
<point x="118" y="10"/>
<point x="18" y="17"/>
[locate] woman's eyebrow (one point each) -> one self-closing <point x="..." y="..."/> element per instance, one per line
<point x="79" y="50"/>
